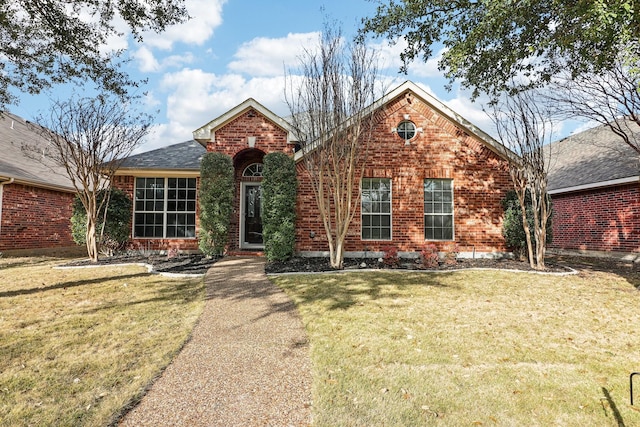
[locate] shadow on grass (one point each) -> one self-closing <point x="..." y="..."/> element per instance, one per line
<point x="341" y="291"/>
<point x="614" y="408"/>
<point x="624" y="269"/>
<point x="66" y="285"/>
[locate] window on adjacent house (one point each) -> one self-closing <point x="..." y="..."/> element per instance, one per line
<point x="376" y="209"/>
<point x="438" y="209"/>
<point x="165" y="208"/>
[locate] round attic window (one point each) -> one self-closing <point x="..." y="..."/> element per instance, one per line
<point x="406" y="130"/>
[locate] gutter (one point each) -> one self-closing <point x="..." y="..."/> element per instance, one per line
<point x="2" y="184"/>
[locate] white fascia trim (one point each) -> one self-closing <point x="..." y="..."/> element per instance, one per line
<point x="593" y="185"/>
<point x="206" y="133"/>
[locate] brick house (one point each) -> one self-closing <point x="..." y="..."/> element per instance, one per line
<point x="594" y="182"/>
<point x="35" y="197"/>
<point x="430" y="177"/>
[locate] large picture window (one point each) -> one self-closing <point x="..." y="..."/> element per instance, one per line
<point x="376" y="209"/>
<point x="165" y="208"/>
<point x="438" y="209"/>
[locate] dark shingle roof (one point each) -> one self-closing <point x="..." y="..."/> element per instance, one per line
<point x="16" y="133"/>
<point x="594" y="156"/>
<point x="182" y="156"/>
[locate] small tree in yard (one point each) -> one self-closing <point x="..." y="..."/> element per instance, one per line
<point x="328" y="108"/>
<point x="513" y="228"/>
<point x="279" y="188"/>
<point x="524" y="127"/>
<point x="89" y="138"/>
<point x="216" y="202"/>
<point x="114" y="221"/>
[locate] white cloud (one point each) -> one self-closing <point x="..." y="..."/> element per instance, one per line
<point x="195" y="97"/>
<point x="206" y="16"/>
<point x="147" y="62"/>
<point x="270" y="56"/>
<point x="390" y="59"/>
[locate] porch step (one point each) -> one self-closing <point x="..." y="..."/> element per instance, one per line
<point x="245" y="253"/>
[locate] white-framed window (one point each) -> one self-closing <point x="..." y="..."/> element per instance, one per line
<point x="253" y="170"/>
<point x="376" y="209"/>
<point x="406" y="130"/>
<point x="438" y="209"/>
<point x="165" y="208"/>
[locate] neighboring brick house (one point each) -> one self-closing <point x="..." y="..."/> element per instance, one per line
<point x="35" y="196"/>
<point x="430" y="177"/>
<point x="594" y="182"/>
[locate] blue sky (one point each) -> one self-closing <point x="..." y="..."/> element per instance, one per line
<point x="236" y="49"/>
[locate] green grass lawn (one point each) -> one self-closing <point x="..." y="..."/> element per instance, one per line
<point x="78" y="345"/>
<point x="470" y="348"/>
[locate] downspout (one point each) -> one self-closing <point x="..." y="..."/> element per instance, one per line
<point x="2" y="184"/>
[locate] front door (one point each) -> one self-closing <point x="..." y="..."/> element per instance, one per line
<point x="251" y="224"/>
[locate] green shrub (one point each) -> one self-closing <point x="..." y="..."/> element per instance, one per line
<point x="216" y="202"/>
<point x="117" y="227"/>
<point x="513" y="228"/>
<point x="279" y="190"/>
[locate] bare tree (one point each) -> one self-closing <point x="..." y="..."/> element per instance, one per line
<point x="610" y="97"/>
<point x="524" y="126"/>
<point x="89" y="137"/>
<point x="328" y="105"/>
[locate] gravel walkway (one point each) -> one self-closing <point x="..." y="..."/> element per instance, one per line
<point x="247" y="363"/>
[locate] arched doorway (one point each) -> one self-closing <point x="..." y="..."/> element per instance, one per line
<point x="248" y="164"/>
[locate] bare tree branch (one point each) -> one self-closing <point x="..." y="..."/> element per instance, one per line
<point x="89" y="138"/>
<point x="329" y="112"/>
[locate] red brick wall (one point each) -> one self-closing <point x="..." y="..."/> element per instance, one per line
<point x="606" y="219"/>
<point x="480" y="180"/>
<point x="232" y="139"/>
<point x="126" y="184"/>
<point x="35" y="218"/>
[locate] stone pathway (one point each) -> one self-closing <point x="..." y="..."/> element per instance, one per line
<point x="247" y="363"/>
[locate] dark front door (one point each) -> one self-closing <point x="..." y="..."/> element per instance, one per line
<point x="252" y="233"/>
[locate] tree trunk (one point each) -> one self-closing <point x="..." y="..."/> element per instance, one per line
<point x="90" y="237"/>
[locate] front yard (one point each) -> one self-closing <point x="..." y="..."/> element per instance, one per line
<point x="470" y="348"/>
<point x="76" y="346"/>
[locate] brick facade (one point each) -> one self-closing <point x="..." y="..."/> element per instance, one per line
<point x="605" y="219"/>
<point x="35" y="218"/>
<point x="443" y="149"/>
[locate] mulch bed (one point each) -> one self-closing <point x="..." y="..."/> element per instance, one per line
<point x="199" y="264"/>
<point x="180" y="264"/>
<point x="302" y="264"/>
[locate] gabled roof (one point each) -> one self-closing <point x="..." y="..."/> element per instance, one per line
<point x="184" y="156"/>
<point x="207" y="132"/>
<point x="15" y="132"/>
<point x="440" y="108"/>
<point x="594" y="158"/>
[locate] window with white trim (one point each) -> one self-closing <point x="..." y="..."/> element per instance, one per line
<point x="376" y="209"/>
<point x="438" y="209"/>
<point x="165" y="208"/>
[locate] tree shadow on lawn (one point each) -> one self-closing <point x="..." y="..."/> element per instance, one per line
<point x="66" y="285"/>
<point x="343" y="290"/>
<point x="625" y="269"/>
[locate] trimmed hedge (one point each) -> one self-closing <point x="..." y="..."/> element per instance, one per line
<point x="279" y="189"/>
<point x="216" y="202"/>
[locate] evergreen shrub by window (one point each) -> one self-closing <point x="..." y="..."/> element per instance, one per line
<point x="279" y="189"/>
<point x="216" y="202"/>
<point x="117" y="227"/>
<point x="512" y="227"/>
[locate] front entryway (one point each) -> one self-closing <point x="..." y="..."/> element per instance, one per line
<point x="251" y="216"/>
